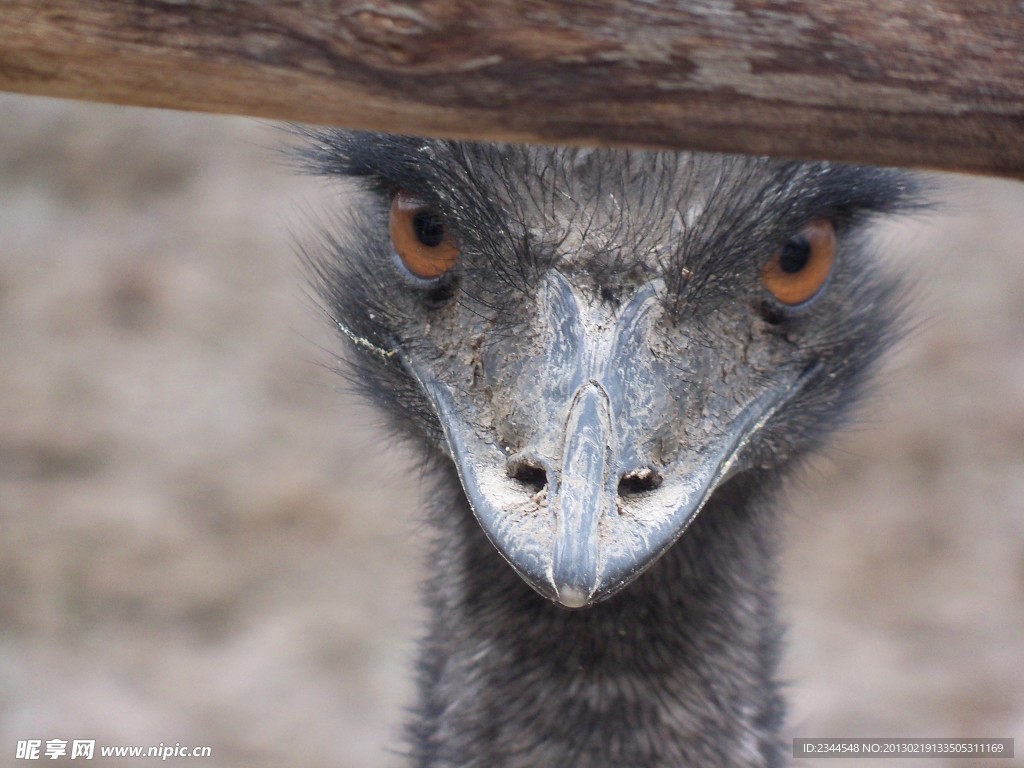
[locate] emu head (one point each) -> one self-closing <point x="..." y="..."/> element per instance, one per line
<point x="601" y="339"/>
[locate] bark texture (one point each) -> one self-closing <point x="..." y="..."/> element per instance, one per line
<point x="916" y="83"/>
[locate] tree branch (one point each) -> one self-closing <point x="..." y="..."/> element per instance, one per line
<point x="922" y="83"/>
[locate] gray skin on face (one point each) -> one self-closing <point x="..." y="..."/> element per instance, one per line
<point x="567" y="436"/>
<point x="605" y="354"/>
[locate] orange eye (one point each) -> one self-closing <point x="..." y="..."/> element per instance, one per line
<point x="797" y="270"/>
<point x="420" y="236"/>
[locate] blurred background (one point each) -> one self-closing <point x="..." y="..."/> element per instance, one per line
<point x="204" y="541"/>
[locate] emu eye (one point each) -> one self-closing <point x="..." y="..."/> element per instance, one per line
<point x="799" y="268"/>
<point x="420" y="236"/>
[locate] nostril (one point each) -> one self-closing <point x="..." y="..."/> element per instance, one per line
<point x="639" y="481"/>
<point x="528" y="472"/>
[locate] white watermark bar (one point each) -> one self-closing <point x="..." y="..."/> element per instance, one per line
<point x="861" y="748"/>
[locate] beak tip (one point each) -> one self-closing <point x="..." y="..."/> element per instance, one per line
<point x="571" y="596"/>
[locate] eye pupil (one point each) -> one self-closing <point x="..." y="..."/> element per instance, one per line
<point x="429" y="228"/>
<point x="795" y="255"/>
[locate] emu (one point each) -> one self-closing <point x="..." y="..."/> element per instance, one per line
<point x="613" y="360"/>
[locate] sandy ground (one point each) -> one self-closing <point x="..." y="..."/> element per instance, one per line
<point x="202" y="541"/>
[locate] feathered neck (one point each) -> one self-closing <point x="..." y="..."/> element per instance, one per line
<point x="677" y="670"/>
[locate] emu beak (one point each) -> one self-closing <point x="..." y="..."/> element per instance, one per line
<point x="584" y="506"/>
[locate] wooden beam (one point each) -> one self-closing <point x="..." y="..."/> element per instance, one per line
<point x="922" y="83"/>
